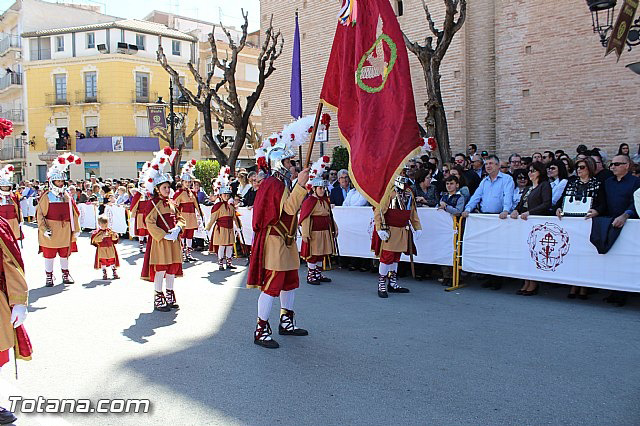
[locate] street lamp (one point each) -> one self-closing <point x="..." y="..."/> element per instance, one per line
<point x="176" y="118"/>
<point x="602" y="12"/>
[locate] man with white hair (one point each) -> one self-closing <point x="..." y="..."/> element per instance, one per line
<point x="339" y="192"/>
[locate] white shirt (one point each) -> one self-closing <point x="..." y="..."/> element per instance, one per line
<point x="354" y="198"/>
<point x="557" y="189"/>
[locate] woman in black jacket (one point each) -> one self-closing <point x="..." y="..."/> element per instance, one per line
<point x="536" y="201"/>
<point x="583" y="186"/>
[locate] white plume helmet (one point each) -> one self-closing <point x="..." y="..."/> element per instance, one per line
<point x="316" y="170"/>
<point x="154" y="175"/>
<point x="61" y="164"/>
<point x="222" y="181"/>
<point x="6" y="175"/>
<point x="291" y="137"/>
<point x="187" y="170"/>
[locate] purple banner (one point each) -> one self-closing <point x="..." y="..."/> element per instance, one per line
<point x="156" y="117"/>
<point x="129" y="143"/>
<point x="295" y="91"/>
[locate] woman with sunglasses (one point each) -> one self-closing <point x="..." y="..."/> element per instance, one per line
<point x="537" y="201"/>
<point x="522" y="182"/>
<point x="558" y="176"/>
<point x="584" y="185"/>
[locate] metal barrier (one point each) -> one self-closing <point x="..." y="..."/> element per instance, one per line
<point x="458" y="224"/>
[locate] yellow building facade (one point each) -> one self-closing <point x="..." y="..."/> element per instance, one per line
<point x="97" y="96"/>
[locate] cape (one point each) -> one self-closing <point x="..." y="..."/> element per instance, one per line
<point x="266" y="213"/>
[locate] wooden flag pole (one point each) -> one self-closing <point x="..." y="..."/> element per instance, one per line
<point x="313" y="134"/>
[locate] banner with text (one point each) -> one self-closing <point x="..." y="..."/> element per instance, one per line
<point x="550" y="250"/>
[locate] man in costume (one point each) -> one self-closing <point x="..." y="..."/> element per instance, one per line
<point x="189" y="207"/>
<point x="394" y="235"/>
<point x="9" y="204"/>
<point x="275" y="261"/>
<point x="139" y="207"/>
<point x="163" y="257"/>
<point x="223" y="215"/>
<point x="105" y="239"/>
<point x="58" y="220"/>
<point x="13" y="305"/>
<point x="319" y="230"/>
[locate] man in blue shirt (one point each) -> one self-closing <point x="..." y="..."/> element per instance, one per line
<point x="495" y="193"/>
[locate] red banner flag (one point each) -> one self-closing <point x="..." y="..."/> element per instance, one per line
<point x="368" y="83"/>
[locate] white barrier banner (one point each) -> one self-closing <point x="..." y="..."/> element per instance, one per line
<point x="27" y="208"/>
<point x="550" y="250"/>
<point x="355" y="226"/>
<point x="117" y="216"/>
<point x="88" y="215"/>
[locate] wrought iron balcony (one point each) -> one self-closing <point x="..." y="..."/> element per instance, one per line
<point x="12" y="152"/>
<point x="56" y="99"/>
<point x="15" y="115"/>
<point x="11" y="79"/>
<point x="84" y="97"/>
<point x="8" y="43"/>
<point x="140" y="98"/>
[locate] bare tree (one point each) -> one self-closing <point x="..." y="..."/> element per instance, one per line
<point x="181" y="135"/>
<point x="220" y="101"/>
<point x="430" y="58"/>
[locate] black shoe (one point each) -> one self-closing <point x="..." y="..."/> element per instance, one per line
<point x="531" y="293"/>
<point x="447" y="282"/>
<point x="496" y="287"/>
<point x="398" y="290"/>
<point x="352" y="268"/>
<point x="486" y="284"/>
<point x="230" y="266"/>
<point x="383" y="294"/>
<point x="572" y="295"/>
<point x="6" y="417"/>
<point x="294" y="332"/>
<point x="313" y="282"/>
<point x="269" y="344"/>
<point x="324" y="279"/>
<point x="521" y="291"/>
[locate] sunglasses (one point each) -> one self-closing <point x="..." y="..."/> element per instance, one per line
<point x="445" y="171"/>
<point x="552" y="168"/>
<point x="582" y="167"/>
<point x="504" y="167"/>
<point x="617" y="164"/>
<point x="522" y="177"/>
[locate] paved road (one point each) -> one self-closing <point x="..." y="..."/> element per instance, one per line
<point x="467" y="358"/>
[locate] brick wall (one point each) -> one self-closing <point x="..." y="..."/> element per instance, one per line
<point x="571" y="95"/>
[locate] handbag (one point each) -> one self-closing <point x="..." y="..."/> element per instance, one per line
<point x="576" y="206"/>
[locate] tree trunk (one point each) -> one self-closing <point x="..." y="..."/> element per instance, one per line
<point x="208" y="134"/>
<point x="238" y="142"/>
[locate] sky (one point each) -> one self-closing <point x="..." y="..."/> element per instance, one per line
<point x="206" y="10"/>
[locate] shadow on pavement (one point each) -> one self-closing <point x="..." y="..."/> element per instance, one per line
<point x="96" y="283"/>
<point x="147" y="323"/>
<point x="36" y="293"/>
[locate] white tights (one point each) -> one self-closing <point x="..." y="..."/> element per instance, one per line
<point x="314" y="265"/>
<point x="265" y="303"/>
<point x="384" y="269"/>
<point x="225" y="251"/>
<point x="157" y="281"/>
<point x="189" y="242"/>
<point x="48" y="264"/>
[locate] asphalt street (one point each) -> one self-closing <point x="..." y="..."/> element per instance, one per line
<point x="471" y="357"/>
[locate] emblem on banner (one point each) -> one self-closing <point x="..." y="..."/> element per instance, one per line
<point x="548" y="245"/>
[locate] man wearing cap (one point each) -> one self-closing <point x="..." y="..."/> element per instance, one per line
<point x="394" y="227"/>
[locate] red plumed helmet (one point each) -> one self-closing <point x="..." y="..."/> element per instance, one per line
<point x="325" y="158"/>
<point x="78" y="161"/>
<point x="71" y="158"/>
<point x="193" y="161"/>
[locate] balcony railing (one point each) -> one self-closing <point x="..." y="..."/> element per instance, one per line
<point x="83" y="97"/>
<point x="10" y="79"/>
<point x="9" y="42"/>
<point x="15" y="115"/>
<point x="12" y="152"/>
<point x="139" y="98"/>
<point x="56" y="99"/>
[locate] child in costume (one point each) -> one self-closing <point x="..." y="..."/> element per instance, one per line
<point x="106" y="254"/>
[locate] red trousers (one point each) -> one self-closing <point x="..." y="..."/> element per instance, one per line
<point x="277" y="281"/>
<point x="389" y="257"/>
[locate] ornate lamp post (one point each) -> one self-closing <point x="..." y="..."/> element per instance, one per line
<point x="178" y="111"/>
<point x="602" y="13"/>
